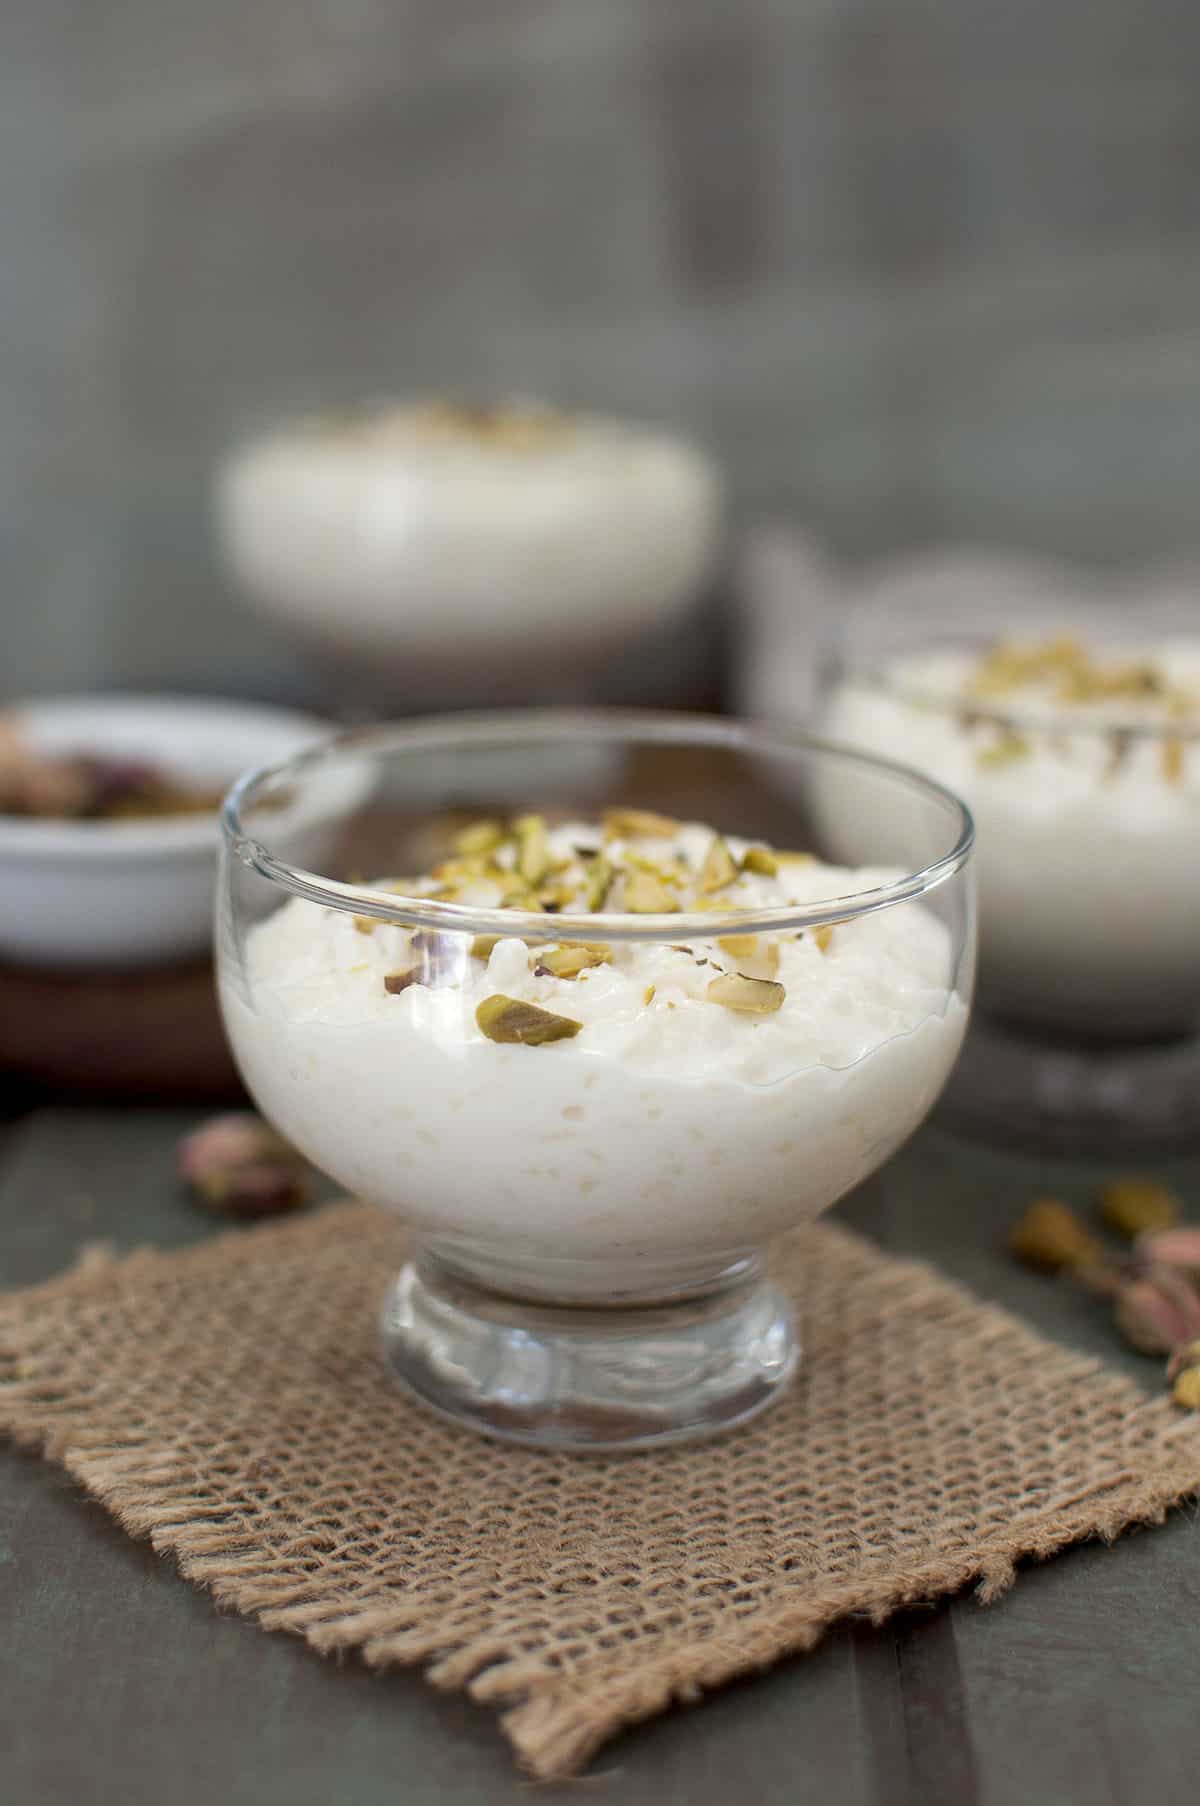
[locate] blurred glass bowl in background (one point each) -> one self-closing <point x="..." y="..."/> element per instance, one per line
<point x="428" y="553"/>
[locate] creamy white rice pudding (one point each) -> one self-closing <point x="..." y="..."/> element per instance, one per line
<point x="1082" y="769"/>
<point x="615" y="1102"/>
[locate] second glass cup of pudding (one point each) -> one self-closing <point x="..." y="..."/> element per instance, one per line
<point x="606" y="1017"/>
<point x="1075" y="739"/>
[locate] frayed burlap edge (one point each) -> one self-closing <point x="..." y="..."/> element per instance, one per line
<point x="539" y="1712"/>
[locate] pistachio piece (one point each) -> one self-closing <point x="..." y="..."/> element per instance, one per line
<point x="474" y="865"/>
<point x="795" y="858"/>
<point x="482" y="945"/>
<point x="569" y="960"/>
<point x="600" y="875"/>
<point x="1006" y="751"/>
<point x="533" y="848"/>
<point x="395" y="982"/>
<point x="646" y="895"/>
<point x="760" y="860"/>
<point x="1135" y="1206"/>
<point x="636" y="824"/>
<point x="719" y="868"/>
<point x="1051" y="1237"/>
<point x="1185" y="1388"/>
<point x="516" y="894"/>
<point x="752" y="996"/>
<point x="480" y="837"/>
<point x="554" y="897"/>
<point x="823" y="937"/>
<point x="648" y="994"/>
<point x="1172" y="759"/>
<point x="504" y="1018"/>
<point x="238" y="1165"/>
<point x="366" y="924"/>
<point x="667" y="872"/>
<point x="739" y="946"/>
<point x="1157" y="1311"/>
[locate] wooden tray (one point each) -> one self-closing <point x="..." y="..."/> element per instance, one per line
<point x="118" y="1036"/>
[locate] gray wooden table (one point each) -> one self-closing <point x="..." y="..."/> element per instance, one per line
<point x="120" y="1685"/>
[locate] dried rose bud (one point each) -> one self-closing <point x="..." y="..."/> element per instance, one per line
<point x="1136" y="1206"/>
<point x="1176" y="1248"/>
<point x="1051" y="1237"/>
<point x="238" y="1164"/>
<point x="1157" y="1311"/>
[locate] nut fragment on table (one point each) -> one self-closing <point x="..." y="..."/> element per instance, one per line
<point x="1183" y="1376"/>
<point x="1051" y="1237"/>
<point x="238" y="1164"/>
<point x="1157" y="1311"/>
<point x="1135" y="1206"/>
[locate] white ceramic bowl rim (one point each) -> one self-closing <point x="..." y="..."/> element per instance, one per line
<point x="149" y="837"/>
<point x="446" y="731"/>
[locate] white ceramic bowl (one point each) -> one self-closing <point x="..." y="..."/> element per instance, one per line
<point x="125" y="894"/>
<point x="496" y="554"/>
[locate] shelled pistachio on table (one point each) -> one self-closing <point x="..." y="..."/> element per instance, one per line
<point x="238" y="1165"/>
<point x="1154" y="1288"/>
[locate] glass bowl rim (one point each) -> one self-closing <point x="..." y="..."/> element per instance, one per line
<point x="515" y="725"/>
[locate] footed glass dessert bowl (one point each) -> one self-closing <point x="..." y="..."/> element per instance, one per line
<point x="601" y="1021"/>
<point x="1077" y="748"/>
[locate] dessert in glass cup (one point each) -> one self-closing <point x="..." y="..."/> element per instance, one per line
<point x="1075" y="741"/>
<point x="603" y="1022"/>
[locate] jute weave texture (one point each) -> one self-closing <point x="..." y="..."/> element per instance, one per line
<point x="229" y="1403"/>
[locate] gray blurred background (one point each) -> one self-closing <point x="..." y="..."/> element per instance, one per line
<point x="911" y="269"/>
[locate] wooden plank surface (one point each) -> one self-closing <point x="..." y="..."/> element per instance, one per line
<point x="121" y="1686"/>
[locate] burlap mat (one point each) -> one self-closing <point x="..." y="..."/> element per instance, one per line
<point x="229" y="1404"/>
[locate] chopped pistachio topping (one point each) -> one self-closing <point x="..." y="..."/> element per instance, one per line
<point x="739" y="946"/>
<point x="751" y="996"/>
<point x="480" y="837"/>
<point x="503" y="1018"/>
<point x="473" y="865"/>
<point x="1172" y="759"/>
<point x="1006" y="751"/>
<point x="823" y="937"/>
<point x="600" y="875"/>
<point x="1008" y="666"/>
<point x="554" y="897"/>
<point x="646" y="895"/>
<point x="719" y="868"/>
<point x="533" y="848"/>
<point x="758" y="859"/>
<point x="1073" y="675"/>
<point x="569" y="960"/>
<point x="796" y="858"/>
<point x="395" y="982"/>
<point x="638" y="824"/>
<point x="482" y="945"/>
<point x="366" y="924"/>
<point x="648" y="994"/>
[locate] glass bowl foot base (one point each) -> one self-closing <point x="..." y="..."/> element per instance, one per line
<point x="583" y="1376"/>
<point x="1013" y="1086"/>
